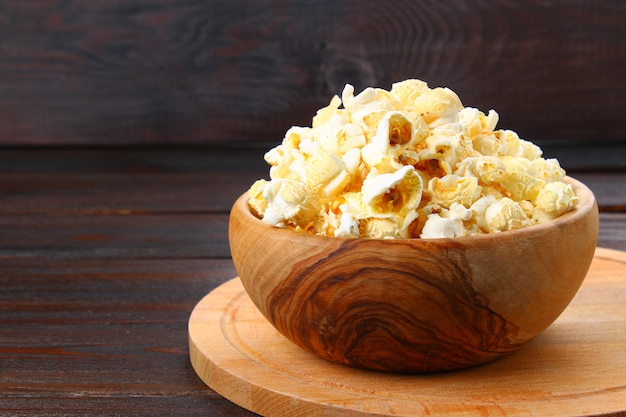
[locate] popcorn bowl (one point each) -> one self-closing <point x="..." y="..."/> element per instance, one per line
<point x="414" y="305"/>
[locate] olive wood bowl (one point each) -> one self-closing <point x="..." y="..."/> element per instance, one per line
<point x="414" y="305"/>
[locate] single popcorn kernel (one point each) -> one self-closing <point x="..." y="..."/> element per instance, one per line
<point x="378" y="227"/>
<point x="257" y="203"/>
<point x="454" y="189"/>
<point x="411" y="162"/>
<point x="393" y="193"/>
<point x="400" y="130"/>
<point x="290" y="202"/>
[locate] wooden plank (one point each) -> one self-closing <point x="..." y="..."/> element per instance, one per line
<point x="86" y="337"/>
<point x="608" y="187"/>
<point x="122" y="236"/>
<point x="613" y="231"/>
<point x="122" y="193"/>
<point x="125" y="160"/>
<point x="109" y="71"/>
<point x="588" y="155"/>
<point x="123" y="181"/>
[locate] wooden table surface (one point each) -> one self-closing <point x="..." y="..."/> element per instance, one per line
<point x="103" y="255"/>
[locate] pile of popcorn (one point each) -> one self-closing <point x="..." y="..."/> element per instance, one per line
<point x="411" y="162"/>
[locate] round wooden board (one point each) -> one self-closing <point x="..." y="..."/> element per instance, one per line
<point x="576" y="368"/>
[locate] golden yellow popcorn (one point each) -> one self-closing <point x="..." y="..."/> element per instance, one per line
<point x="257" y="203"/>
<point x="447" y="222"/>
<point x="452" y="189"/>
<point x="487" y="169"/>
<point x="407" y="91"/>
<point x="505" y="214"/>
<point x="290" y="203"/>
<point x="411" y="162"/>
<point x="554" y="199"/>
<point x="399" y="192"/>
<point x="438" y="106"/>
<point x="520" y="178"/>
<point x="325" y="172"/>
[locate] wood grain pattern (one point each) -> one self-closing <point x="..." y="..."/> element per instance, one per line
<point x="574" y="369"/>
<point x="113" y="235"/>
<point x="91" y="337"/>
<point x="358" y="320"/>
<point x="156" y="71"/>
<point x="414" y="305"/>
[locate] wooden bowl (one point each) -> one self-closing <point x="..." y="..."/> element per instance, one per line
<point x="414" y="305"/>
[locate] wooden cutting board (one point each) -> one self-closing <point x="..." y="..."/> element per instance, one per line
<point x="576" y="368"/>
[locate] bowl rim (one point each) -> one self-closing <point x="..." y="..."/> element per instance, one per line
<point x="587" y="202"/>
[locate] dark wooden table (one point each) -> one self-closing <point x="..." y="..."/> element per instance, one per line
<point x="103" y="255"/>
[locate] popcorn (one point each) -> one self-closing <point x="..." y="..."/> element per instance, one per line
<point x="438" y="106"/>
<point x="447" y="223"/>
<point x="453" y="189"/>
<point x="325" y="172"/>
<point x="399" y="192"/>
<point x="290" y="202"/>
<point x="411" y="162"/>
<point x="554" y="199"/>
<point x="504" y="214"/>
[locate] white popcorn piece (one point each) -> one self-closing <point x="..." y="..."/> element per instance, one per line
<point x="286" y="157"/>
<point x="368" y="108"/>
<point x="476" y="124"/>
<point x="407" y="91"/>
<point x="438" y="106"/>
<point x="490" y="121"/>
<point x="454" y="189"/>
<point x="395" y="132"/>
<point x="488" y="169"/>
<point x="336" y="184"/>
<point x="348" y="227"/>
<point x="375" y="151"/>
<point x="396" y="128"/>
<point x="529" y="150"/>
<point x="340" y="136"/>
<point x="553" y="200"/>
<point x="512" y="145"/>
<point x="505" y="214"/>
<point x="384" y="227"/>
<point x="322" y="168"/>
<point x="350" y="136"/>
<point x="548" y="170"/>
<point x="520" y="178"/>
<point x="351" y="161"/>
<point x="469" y="117"/>
<point x="442" y="148"/>
<point x="479" y="208"/>
<point x="325" y="224"/>
<point x="447" y="223"/>
<point x="326" y="113"/>
<point x="257" y="202"/>
<point x="290" y="202"/>
<point x="486" y="144"/>
<point x="509" y="143"/>
<point x="399" y="192"/>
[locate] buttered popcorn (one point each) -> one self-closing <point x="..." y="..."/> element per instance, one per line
<point x="411" y="162"/>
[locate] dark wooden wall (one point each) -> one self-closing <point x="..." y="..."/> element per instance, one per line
<point x="202" y="71"/>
